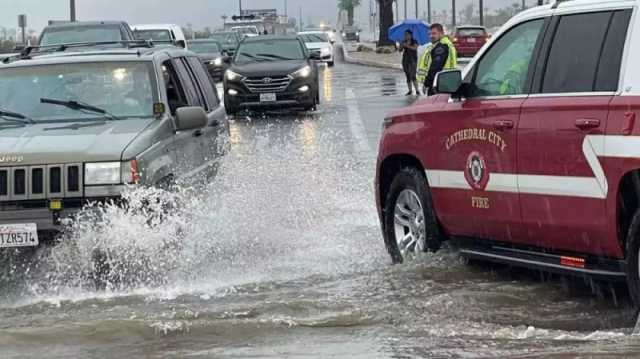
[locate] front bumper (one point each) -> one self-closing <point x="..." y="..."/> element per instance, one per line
<point x="291" y="97"/>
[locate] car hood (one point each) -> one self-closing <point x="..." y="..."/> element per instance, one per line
<point x="268" y="68"/>
<point x="317" y="45"/>
<point x="66" y="142"/>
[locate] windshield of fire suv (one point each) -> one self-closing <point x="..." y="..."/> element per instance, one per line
<point x="125" y="89"/>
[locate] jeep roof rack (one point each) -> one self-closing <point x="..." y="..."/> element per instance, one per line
<point x="26" y="53"/>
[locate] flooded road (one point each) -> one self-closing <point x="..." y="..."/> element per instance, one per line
<point x="282" y="256"/>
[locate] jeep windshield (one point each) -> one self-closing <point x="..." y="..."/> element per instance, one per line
<point x="80" y="33"/>
<point x="269" y="50"/>
<point x="123" y="89"/>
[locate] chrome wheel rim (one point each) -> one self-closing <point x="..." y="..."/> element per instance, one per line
<point x="409" y="224"/>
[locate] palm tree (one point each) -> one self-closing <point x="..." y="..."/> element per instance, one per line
<point x="386" y="21"/>
<point x="348" y="6"/>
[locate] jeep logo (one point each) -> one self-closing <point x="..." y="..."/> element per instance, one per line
<point x="11" y="159"/>
<point x="267" y="80"/>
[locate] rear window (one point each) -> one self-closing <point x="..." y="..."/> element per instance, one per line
<point x="154" y="35"/>
<point x="471" y="32"/>
<point x="80" y="33"/>
<point x="269" y="50"/>
<point x="308" y="38"/>
<point x="204" y="47"/>
<point x="225" y="38"/>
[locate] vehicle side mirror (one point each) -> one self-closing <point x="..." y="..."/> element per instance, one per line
<point x="227" y="58"/>
<point x="315" y="55"/>
<point x="448" y="82"/>
<point x="181" y="43"/>
<point x="190" y="118"/>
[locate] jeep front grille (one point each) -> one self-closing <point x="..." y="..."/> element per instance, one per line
<point x="41" y="182"/>
<point x="267" y="84"/>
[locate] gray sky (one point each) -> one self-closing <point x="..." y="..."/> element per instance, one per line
<point x="200" y="13"/>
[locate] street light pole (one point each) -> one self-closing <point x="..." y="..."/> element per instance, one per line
<point x="481" y="12"/>
<point x="417" y="14"/>
<point x="72" y="10"/>
<point x="453" y="13"/>
<point x="405" y="9"/>
<point x="429" y="11"/>
<point x="240" y="6"/>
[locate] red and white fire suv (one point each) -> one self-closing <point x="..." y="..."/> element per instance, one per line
<point x="531" y="156"/>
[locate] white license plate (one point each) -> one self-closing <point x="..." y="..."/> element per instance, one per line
<point x="471" y="39"/>
<point x="18" y="235"/>
<point x="267" y="97"/>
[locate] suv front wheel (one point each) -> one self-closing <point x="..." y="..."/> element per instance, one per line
<point x="410" y="226"/>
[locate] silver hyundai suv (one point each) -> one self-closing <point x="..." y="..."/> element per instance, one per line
<point x="79" y="124"/>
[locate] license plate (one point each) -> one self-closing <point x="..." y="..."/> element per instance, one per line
<point x="18" y="235"/>
<point x="267" y="97"/>
<point x="471" y="39"/>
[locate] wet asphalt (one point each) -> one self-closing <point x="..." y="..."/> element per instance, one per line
<point x="281" y="256"/>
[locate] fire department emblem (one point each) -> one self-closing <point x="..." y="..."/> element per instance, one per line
<point x="476" y="171"/>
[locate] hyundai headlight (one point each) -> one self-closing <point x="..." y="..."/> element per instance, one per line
<point x="102" y="173"/>
<point x="303" y="72"/>
<point x="216" y="62"/>
<point x="232" y="76"/>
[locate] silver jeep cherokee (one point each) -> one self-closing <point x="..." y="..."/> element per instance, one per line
<point x="78" y="124"/>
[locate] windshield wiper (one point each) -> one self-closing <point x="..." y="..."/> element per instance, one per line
<point x="273" y="56"/>
<point x="11" y="116"/>
<point x="80" y="106"/>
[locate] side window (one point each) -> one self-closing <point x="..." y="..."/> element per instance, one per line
<point x="573" y="60"/>
<point x="175" y="93"/>
<point x="611" y="59"/>
<point x="504" y="68"/>
<point x="190" y="88"/>
<point x="205" y="82"/>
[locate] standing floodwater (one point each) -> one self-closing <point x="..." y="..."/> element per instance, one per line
<point x="281" y="256"/>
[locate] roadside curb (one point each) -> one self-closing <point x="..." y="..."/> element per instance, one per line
<point x="369" y="63"/>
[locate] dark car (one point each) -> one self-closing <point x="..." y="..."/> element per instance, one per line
<point x="469" y="40"/>
<point x="228" y="39"/>
<point x="86" y="32"/>
<point x="272" y="72"/>
<point x="211" y="54"/>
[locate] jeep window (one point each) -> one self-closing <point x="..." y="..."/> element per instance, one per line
<point x="205" y="82"/>
<point x="309" y="38"/>
<point x="471" y="31"/>
<point x="194" y="97"/>
<point x="269" y="50"/>
<point x="154" y="35"/>
<point x="125" y="89"/>
<point x="503" y="69"/>
<point x="175" y="93"/>
<point x="80" y="33"/>
<point x="575" y="53"/>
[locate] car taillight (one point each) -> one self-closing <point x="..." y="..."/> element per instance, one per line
<point x="455" y="39"/>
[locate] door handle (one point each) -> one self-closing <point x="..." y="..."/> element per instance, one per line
<point x="503" y="124"/>
<point x="587" y="123"/>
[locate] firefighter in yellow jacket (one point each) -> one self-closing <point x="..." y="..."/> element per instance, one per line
<point x="440" y="55"/>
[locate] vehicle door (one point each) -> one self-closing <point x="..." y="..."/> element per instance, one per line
<point x="477" y="194"/>
<point x="561" y="181"/>
<point x="214" y="137"/>
<point x="181" y="92"/>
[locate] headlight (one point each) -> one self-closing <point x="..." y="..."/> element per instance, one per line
<point x="326" y="51"/>
<point x="102" y="173"/>
<point x="216" y="62"/>
<point x="232" y="76"/>
<point x="303" y="72"/>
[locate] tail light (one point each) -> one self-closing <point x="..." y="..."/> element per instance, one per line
<point x="455" y="39"/>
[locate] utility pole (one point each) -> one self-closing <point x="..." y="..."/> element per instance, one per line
<point x="240" y="6"/>
<point x="417" y="13"/>
<point x="453" y="13"/>
<point x="405" y="9"/>
<point x="397" y="12"/>
<point x="429" y="11"/>
<point x="285" y="8"/>
<point x="481" y="12"/>
<point x="300" y="21"/>
<point x="72" y="10"/>
<point x="524" y="5"/>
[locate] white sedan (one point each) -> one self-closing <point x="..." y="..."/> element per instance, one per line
<point x="318" y="41"/>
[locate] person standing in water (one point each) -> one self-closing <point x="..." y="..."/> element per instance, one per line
<point x="409" y="48"/>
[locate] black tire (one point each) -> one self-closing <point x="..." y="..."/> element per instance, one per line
<point x="633" y="249"/>
<point x="231" y="110"/>
<point x="330" y="63"/>
<point x="414" y="180"/>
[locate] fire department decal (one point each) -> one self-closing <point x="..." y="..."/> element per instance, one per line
<point x="475" y="134"/>
<point x="476" y="172"/>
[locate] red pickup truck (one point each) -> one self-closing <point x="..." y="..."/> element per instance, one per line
<point x="531" y="156"/>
